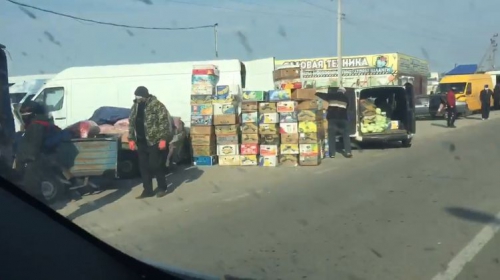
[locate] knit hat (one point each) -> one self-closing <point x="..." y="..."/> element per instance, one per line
<point x="142" y="92"/>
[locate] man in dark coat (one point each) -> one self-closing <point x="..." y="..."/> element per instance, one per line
<point x="337" y="120"/>
<point x="150" y="133"/>
<point x="485" y="97"/>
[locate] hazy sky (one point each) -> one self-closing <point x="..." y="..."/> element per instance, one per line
<point x="443" y="31"/>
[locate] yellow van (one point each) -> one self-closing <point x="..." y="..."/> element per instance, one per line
<point x="468" y="88"/>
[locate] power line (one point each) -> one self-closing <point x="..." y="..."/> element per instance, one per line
<point x="110" y="23"/>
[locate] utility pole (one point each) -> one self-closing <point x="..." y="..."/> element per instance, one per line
<point x="340" y="16"/>
<point x="216" y="41"/>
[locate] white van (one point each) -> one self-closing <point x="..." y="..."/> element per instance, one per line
<point x="75" y="93"/>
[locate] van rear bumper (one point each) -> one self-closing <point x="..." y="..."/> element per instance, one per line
<point x="384" y="137"/>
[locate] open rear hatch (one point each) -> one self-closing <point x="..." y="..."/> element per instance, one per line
<point x="386" y="113"/>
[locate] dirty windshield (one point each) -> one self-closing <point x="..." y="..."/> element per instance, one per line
<point x="444" y="88"/>
<point x="220" y="137"/>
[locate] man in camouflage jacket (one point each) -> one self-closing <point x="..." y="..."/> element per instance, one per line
<point x="149" y="133"/>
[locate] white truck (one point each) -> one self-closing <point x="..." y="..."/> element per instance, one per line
<point x="75" y="93"/>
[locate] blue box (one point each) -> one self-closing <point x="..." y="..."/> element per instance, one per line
<point x="205" y="160"/>
<point x="222" y="93"/>
<point x="204" y="79"/>
<point x="279" y="95"/>
<point x="288" y="117"/>
<point x="202" y="120"/>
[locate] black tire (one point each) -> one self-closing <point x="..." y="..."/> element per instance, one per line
<point x="406" y="143"/>
<point x="52" y="190"/>
<point x="128" y="165"/>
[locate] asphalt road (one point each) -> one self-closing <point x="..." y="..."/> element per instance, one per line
<point x="427" y="212"/>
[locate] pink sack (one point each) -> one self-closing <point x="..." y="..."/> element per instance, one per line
<point x="106" y="129"/>
<point x="122" y="123"/>
<point x="84" y="129"/>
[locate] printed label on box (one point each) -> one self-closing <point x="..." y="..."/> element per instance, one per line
<point x="280" y="95"/>
<point x="309" y="115"/>
<point x="269" y="118"/>
<point x="226" y="129"/>
<point x="228" y="150"/>
<point x="269" y="150"/>
<point x="202" y="110"/>
<point x="289" y="127"/>
<point x="202" y="89"/>
<point x="249" y="128"/>
<point x="288" y="117"/>
<point x="265" y="129"/>
<point x="249" y="149"/>
<point x="231" y="160"/>
<point x="224" y="109"/>
<point x="249" y="160"/>
<point x="228" y="139"/>
<point x="201" y="99"/>
<point x="222" y="92"/>
<point x="289" y="149"/>
<point x="289" y="138"/>
<point x="271" y="139"/>
<point x="268" y="161"/>
<point x="267" y="107"/>
<point x="286" y="106"/>
<point x="249" y="117"/>
<point x="202" y="139"/>
<point x="250" y="139"/>
<point x="253" y="95"/>
<point x="225" y="119"/>
<point x="202" y="120"/>
<point x="309" y="149"/>
<point x="305" y="127"/>
<point x="289" y="160"/>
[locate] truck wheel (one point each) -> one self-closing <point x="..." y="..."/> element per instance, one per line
<point x="406" y="143"/>
<point x="51" y="191"/>
<point x="128" y="167"/>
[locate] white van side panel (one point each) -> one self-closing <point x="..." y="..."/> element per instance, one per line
<point x="105" y="87"/>
<point x="259" y="74"/>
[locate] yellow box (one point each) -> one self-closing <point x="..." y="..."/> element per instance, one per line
<point x="307" y="127"/>
<point x="249" y="160"/>
<point x="229" y="160"/>
<point x="289" y="149"/>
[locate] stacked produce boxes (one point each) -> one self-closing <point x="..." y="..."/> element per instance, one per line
<point x="226" y="127"/>
<point x="287" y="78"/>
<point x="204" y="81"/>
<point x="288" y="127"/>
<point x="311" y="127"/>
<point x="250" y="140"/>
<point x="269" y="126"/>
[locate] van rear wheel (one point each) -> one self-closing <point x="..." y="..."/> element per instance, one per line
<point x="406" y="143"/>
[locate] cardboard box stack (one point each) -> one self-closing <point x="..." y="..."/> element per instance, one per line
<point x="204" y="81"/>
<point x="250" y="138"/>
<point x="287" y="78"/>
<point x="227" y="126"/>
<point x="311" y="127"/>
<point x="288" y="138"/>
